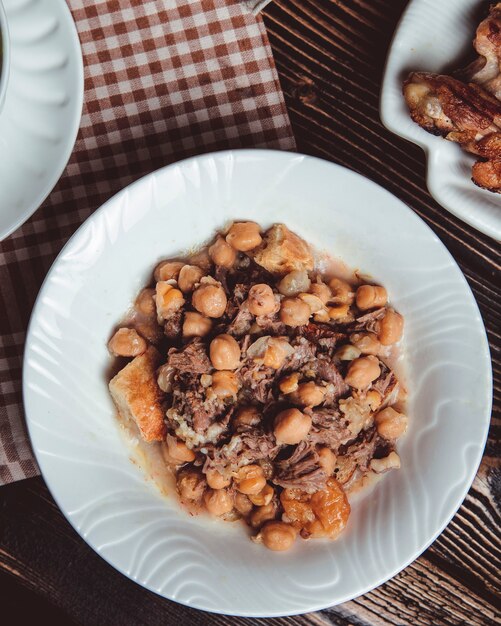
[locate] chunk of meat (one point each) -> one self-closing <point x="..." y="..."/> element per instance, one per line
<point x="283" y="251"/>
<point x="325" y="336"/>
<point x="190" y="404"/>
<point x="242" y="449"/>
<point x="328" y="428"/>
<point x="192" y="358"/>
<point x="327" y="370"/>
<point x="370" y="321"/>
<point x="138" y="397"/>
<point x="487" y="174"/>
<point x="271" y="325"/>
<point x="241" y="323"/>
<point x="301" y="470"/>
<point x="257" y="381"/>
<point x="356" y="455"/>
<point x="464" y="113"/>
<point x="386" y="384"/>
<point x="445" y="106"/>
<point x="173" y="325"/>
<point x="485" y="70"/>
<point x="304" y="353"/>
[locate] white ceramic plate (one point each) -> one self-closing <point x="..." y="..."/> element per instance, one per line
<point x="430" y="37"/>
<point x="212" y="565"/>
<point x="43" y="105"/>
<point x="4" y="55"/>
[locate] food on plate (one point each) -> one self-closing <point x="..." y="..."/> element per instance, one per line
<point x="466" y="109"/>
<point x="265" y="380"/>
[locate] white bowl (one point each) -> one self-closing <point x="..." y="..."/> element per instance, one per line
<point x="43" y="104"/>
<point x="433" y="36"/>
<point x="212" y="565"/>
<point x="5" y="55"/>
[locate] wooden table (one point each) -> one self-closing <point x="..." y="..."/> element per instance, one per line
<point x="330" y="55"/>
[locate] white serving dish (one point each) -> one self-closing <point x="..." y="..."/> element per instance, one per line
<point x="208" y="564"/>
<point x="432" y="36"/>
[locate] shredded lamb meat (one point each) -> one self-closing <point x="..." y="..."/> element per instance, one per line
<point x="193" y="358"/>
<point x="263" y="421"/>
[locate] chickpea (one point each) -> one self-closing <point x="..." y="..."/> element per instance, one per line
<point x="262" y="514"/>
<point x="309" y="394"/>
<point x="322" y="291"/>
<point x="250" y="479"/>
<point x="373" y="399"/>
<point x="190" y="485"/>
<point x="222" y="253"/>
<point x="294" y="283"/>
<point x="167" y="270"/>
<point x="278" y="536"/>
<point x="261" y="300"/>
<point x="294" y="312"/>
<point x="224" y="352"/>
<point x="391" y="328"/>
<point x="216" y="480"/>
<point x="362" y="372"/>
<point x="244" y="236"/>
<point x="367" y="343"/>
<point x="371" y="297"/>
<point x="289" y="384"/>
<point x="277" y="350"/>
<point x="312" y="301"/>
<point x="390" y="424"/>
<point x="322" y="316"/>
<point x="202" y="259"/>
<point x="247" y="416"/>
<point x="127" y="342"/>
<point x="196" y="325"/>
<point x="168" y="300"/>
<point x="218" y="501"/>
<point x="264" y="497"/>
<point x="327" y="460"/>
<point x="338" y="312"/>
<point x="392" y="461"/>
<point x="291" y="426"/>
<point x="348" y="352"/>
<point x="145" y="303"/>
<point x="242" y="504"/>
<point x="342" y="291"/>
<point x="225" y="384"/>
<point x="189" y="276"/>
<point x="210" y="300"/>
<point x="178" y="451"/>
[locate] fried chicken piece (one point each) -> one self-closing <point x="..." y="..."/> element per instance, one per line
<point x="486" y="69"/>
<point x="466" y="109"/>
<point x="487" y="174"/>
<point x="460" y="112"/>
<point x="442" y="105"/>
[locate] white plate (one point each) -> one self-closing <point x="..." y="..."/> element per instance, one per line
<point x="430" y="37"/>
<point x="43" y="105"/>
<point x="209" y="564"/>
<point x="4" y="54"/>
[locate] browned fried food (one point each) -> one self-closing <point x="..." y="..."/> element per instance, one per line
<point x="460" y="112"/>
<point x="485" y="70"/>
<point x="487" y="174"/>
<point x="468" y="113"/>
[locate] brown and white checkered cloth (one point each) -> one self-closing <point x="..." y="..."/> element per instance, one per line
<point x="164" y="79"/>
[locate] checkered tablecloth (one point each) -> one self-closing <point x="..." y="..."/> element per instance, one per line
<point x="164" y="79"/>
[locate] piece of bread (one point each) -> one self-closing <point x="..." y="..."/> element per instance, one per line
<point x="136" y="393"/>
<point x="283" y="251"/>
